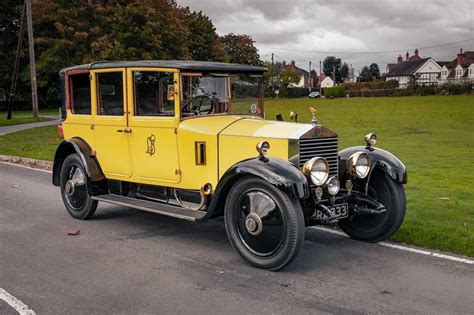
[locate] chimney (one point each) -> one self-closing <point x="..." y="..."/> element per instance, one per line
<point x="408" y="55"/>
<point x="293" y="63"/>
<point x="399" y="59"/>
<point x="416" y="52"/>
<point x="284" y="63"/>
<point x="460" y="57"/>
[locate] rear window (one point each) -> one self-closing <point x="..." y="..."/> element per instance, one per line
<point x="80" y="94"/>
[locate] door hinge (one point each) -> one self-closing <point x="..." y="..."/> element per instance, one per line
<point x="175" y="131"/>
<point x="177" y="171"/>
<point x="92" y="127"/>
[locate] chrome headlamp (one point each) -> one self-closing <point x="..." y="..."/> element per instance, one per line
<point x="263" y="147"/>
<point x="317" y="170"/>
<point x="333" y="185"/>
<point x="370" y="139"/>
<point x="358" y="164"/>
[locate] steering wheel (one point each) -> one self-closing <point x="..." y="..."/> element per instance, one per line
<point x="197" y="109"/>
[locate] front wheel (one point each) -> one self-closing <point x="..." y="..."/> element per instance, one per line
<point x="74" y="190"/>
<point x="376" y="228"/>
<point x="263" y="224"/>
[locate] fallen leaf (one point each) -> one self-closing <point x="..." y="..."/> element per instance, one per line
<point x="75" y="233"/>
<point x="16" y="185"/>
<point x="443" y="198"/>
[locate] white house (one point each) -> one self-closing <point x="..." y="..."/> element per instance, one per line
<point x="418" y="72"/>
<point x="326" y="82"/>
<point x="304" y="77"/>
<point x="458" y="70"/>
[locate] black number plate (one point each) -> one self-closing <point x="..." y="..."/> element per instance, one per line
<point x="338" y="212"/>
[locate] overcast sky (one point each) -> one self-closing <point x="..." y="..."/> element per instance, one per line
<point x="287" y="28"/>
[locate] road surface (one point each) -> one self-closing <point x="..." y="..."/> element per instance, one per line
<point x="128" y="261"/>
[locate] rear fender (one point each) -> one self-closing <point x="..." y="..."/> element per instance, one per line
<point x="93" y="171"/>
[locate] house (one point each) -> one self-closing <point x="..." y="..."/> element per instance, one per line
<point x="413" y="70"/>
<point x="304" y="76"/>
<point x="325" y="82"/>
<point x="459" y="70"/>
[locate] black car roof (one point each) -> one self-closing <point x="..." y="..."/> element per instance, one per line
<point x="185" y="65"/>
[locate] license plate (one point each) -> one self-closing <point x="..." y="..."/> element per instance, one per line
<point x="338" y="212"/>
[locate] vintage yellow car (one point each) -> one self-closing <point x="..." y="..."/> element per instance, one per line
<point x="190" y="140"/>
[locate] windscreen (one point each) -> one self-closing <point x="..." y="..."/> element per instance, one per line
<point x="221" y="94"/>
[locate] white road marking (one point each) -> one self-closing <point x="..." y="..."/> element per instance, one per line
<point x="386" y="244"/>
<point x="18" y="305"/>
<point x="405" y="248"/>
<point x="28" y="167"/>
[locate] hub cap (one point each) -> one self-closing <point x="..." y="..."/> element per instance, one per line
<point x="75" y="189"/>
<point x="260" y="223"/>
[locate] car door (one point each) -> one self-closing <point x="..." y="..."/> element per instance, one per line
<point x="153" y="118"/>
<point x="111" y="132"/>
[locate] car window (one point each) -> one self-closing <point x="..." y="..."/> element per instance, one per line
<point x="110" y="94"/>
<point x="154" y="93"/>
<point x="80" y="94"/>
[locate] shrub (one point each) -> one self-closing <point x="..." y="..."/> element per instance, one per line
<point x="391" y="84"/>
<point x="456" y="89"/>
<point x="337" y="91"/>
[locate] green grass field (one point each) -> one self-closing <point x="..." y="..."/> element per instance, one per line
<point x="18" y="120"/>
<point x="432" y="135"/>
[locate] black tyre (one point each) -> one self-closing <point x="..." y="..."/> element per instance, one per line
<point x="263" y="224"/>
<point x="73" y="183"/>
<point x="376" y="228"/>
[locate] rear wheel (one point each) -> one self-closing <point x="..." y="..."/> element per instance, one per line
<point x="375" y="228"/>
<point x="263" y="224"/>
<point x="74" y="189"/>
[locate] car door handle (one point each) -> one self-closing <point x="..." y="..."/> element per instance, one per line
<point x="125" y="130"/>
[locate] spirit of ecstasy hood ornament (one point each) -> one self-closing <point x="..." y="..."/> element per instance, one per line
<point x="314" y="120"/>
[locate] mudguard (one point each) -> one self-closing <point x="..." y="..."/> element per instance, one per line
<point x="79" y="146"/>
<point x="280" y="173"/>
<point x="380" y="159"/>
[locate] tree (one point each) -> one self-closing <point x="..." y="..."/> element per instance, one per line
<point x="365" y="75"/>
<point x="333" y="67"/>
<point x="374" y="71"/>
<point x="289" y="75"/>
<point x="241" y="49"/>
<point x="203" y="41"/>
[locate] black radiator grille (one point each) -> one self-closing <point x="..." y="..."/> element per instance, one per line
<point x="323" y="147"/>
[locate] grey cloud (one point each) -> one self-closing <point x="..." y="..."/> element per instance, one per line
<point x="336" y="25"/>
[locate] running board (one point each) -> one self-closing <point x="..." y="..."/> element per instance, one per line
<point x="155" y="207"/>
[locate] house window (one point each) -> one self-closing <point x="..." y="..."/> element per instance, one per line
<point x="80" y="94"/>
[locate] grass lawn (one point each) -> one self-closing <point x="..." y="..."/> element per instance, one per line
<point x="17" y="120"/>
<point x="38" y="143"/>
<point x="432" y="135"/>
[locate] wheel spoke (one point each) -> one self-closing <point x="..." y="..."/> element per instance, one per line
<point x="261" y="204"/>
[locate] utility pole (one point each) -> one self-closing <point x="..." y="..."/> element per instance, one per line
<point x="320" y="73"/>
<point x="11" y="98"/>
<point x="334" y="74"/>
<point x="309" y="78"/>
<point x="34" y="93"/>
<point x="273" y="80"/>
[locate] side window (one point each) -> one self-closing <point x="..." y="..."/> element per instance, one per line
<point x="110" y="94"/>
<point x="80" y="94"/>
<point x="154" y="93"/>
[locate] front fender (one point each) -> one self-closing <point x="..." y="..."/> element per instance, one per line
<point x="380" y="159"/>
<point x="280" y="173"/>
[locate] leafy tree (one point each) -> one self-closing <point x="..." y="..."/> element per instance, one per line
<point x="289" y="75"/>
<point x="365" y="75"/>
<point x="374" y="70"/>
<point x="333" y="67"/>
<point x="241" y="49"/>
<point x="10" y="14"/>
<point x="203" y="41"/>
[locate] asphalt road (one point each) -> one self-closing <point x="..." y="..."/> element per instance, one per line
<point x="127" y="261"/>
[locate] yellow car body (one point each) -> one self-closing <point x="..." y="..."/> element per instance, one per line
<point x="190" y="140"/>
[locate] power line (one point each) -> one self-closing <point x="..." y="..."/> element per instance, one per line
<point x="365" y="52"/>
